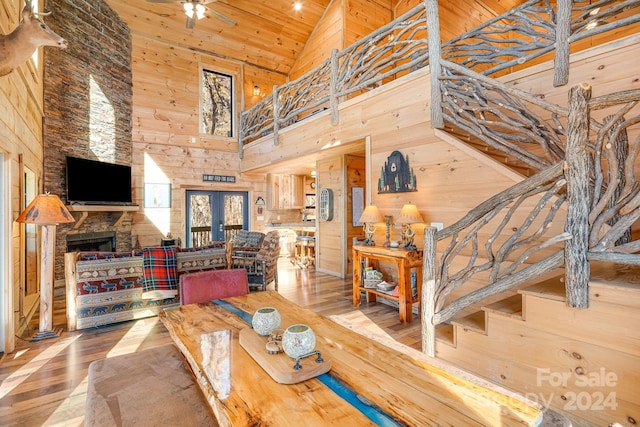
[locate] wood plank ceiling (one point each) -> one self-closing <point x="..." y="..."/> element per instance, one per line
<point x="268" y="34"/>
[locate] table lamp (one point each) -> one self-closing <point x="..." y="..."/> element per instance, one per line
<point x="46" y="210"/>
<point x="369" y="217"/>
<point x="409" y="215"/>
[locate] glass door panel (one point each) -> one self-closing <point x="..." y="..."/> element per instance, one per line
<point x="234" y="215"/>
<point x="215" y="216"/>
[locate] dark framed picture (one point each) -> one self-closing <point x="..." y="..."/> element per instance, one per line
<point x="396" y="176"/>
<point x="157" y="195"/>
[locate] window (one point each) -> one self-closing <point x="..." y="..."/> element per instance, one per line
<point x="217" y="104"/>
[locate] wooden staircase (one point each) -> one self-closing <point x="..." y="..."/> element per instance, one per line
<point x="583" y="363"/>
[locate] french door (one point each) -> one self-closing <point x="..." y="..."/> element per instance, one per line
<point x="215" y="215"/>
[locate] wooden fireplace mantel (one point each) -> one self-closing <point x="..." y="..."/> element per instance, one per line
<point x="86" y="209"/>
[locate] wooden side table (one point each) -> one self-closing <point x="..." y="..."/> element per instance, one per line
<point x="405" y="261"/>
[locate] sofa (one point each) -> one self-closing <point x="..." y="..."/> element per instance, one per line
<point x="109" y="287"/>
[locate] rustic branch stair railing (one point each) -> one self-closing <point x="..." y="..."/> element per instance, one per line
<point x="598" y="183"/>
<point x="494" y="244"/>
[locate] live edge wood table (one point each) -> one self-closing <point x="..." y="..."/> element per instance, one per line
<point x="405" y="263"/>
<point x="408" y="390"/>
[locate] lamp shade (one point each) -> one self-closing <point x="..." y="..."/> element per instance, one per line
<point x="370" y="215"/>
<point x="46" y="209"/>
<point x="409" y="215"/>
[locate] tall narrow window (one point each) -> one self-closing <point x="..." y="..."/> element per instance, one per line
<point x="217" y="104"/>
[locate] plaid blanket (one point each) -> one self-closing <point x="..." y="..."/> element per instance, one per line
<point x="160" y="273"/>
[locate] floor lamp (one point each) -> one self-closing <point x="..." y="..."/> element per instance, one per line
<point x="46" y="210"/>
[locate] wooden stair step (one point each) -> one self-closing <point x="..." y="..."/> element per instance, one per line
<point x="473" y="322"/>
<point x="615" y="284"/>
<point x="445" y="335"/>
<point x="553" y="289"/>
<point x="510" y="307"/>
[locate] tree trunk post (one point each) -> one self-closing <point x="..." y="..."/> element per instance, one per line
<point x="276" y="114"/>
<point x="333" y="88"/>
<point x="563" y="31"/>
<point x="241" y="136"/>
<point x="577" y="270"/>
<point x="428" y="297"/>
<point x="433" y="41"/>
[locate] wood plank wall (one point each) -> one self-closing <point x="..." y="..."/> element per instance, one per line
<point x="330" y="234"/>
<point x="21" y="114"/>
<point x="355" y="177"/>
<point x="362" y="17"/>
<point x="327" y="35"/>
<point x="344" y="22"/>
<point x="167" y="144"/>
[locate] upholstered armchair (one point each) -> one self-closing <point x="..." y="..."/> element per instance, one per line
<point x="244" y="241"/>
<point x="261" y="266"/>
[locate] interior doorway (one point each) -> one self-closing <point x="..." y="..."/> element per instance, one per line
<point x="215" y="215"/>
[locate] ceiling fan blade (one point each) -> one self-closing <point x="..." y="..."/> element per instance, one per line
<point x="222" y="17"/>
<point x="191" y="23"/>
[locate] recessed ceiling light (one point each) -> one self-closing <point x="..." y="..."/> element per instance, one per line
<point x="297" y="6"/>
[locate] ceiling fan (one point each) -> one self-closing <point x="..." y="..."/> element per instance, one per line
<point x="195" y="10"/>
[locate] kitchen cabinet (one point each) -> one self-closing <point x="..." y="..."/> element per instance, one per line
<point x="285" y="191"/>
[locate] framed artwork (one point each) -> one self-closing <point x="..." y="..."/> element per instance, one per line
<point x="357" y="205"/>
<point x="310" y="201"/>
<point x="157" y="195"/>
<point x="396" y="175"/>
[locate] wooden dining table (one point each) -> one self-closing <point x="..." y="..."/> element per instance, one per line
<point x="392" y="387"/>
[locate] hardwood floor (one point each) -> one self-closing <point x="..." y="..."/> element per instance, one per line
<point x="44" y="383"/>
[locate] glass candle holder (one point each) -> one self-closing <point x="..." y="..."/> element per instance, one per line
<point x="265" y="320"/>
<point x="298" y="340"/>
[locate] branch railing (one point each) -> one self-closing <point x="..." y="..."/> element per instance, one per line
<point x="392" y="50"/>
<point x="615" y="203"/>
<point x="597" y="183"/>
<point x="516" y="37"/>
<point x="510" y="120"/>
<point x="494" y="244"/>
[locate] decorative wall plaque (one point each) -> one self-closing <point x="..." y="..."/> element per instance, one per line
<point x="396" y="176"/>
<point x="325" y="204"/>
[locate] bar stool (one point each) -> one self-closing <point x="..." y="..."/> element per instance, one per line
<point x="305" y="251"/>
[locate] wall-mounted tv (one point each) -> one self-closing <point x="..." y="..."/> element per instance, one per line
<point x="94" y="182"/>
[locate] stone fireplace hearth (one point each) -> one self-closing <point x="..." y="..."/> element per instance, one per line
<point x="104" y="241"/>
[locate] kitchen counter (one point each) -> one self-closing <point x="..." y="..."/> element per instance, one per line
<point x="297" y="226"/>
<point x="288" y="232"/>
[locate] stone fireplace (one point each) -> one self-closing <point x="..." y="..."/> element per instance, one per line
<point x="104" y="241"/>
<point x="87" y="114"/>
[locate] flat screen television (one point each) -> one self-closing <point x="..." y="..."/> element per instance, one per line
<point x="94" y="182"/>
